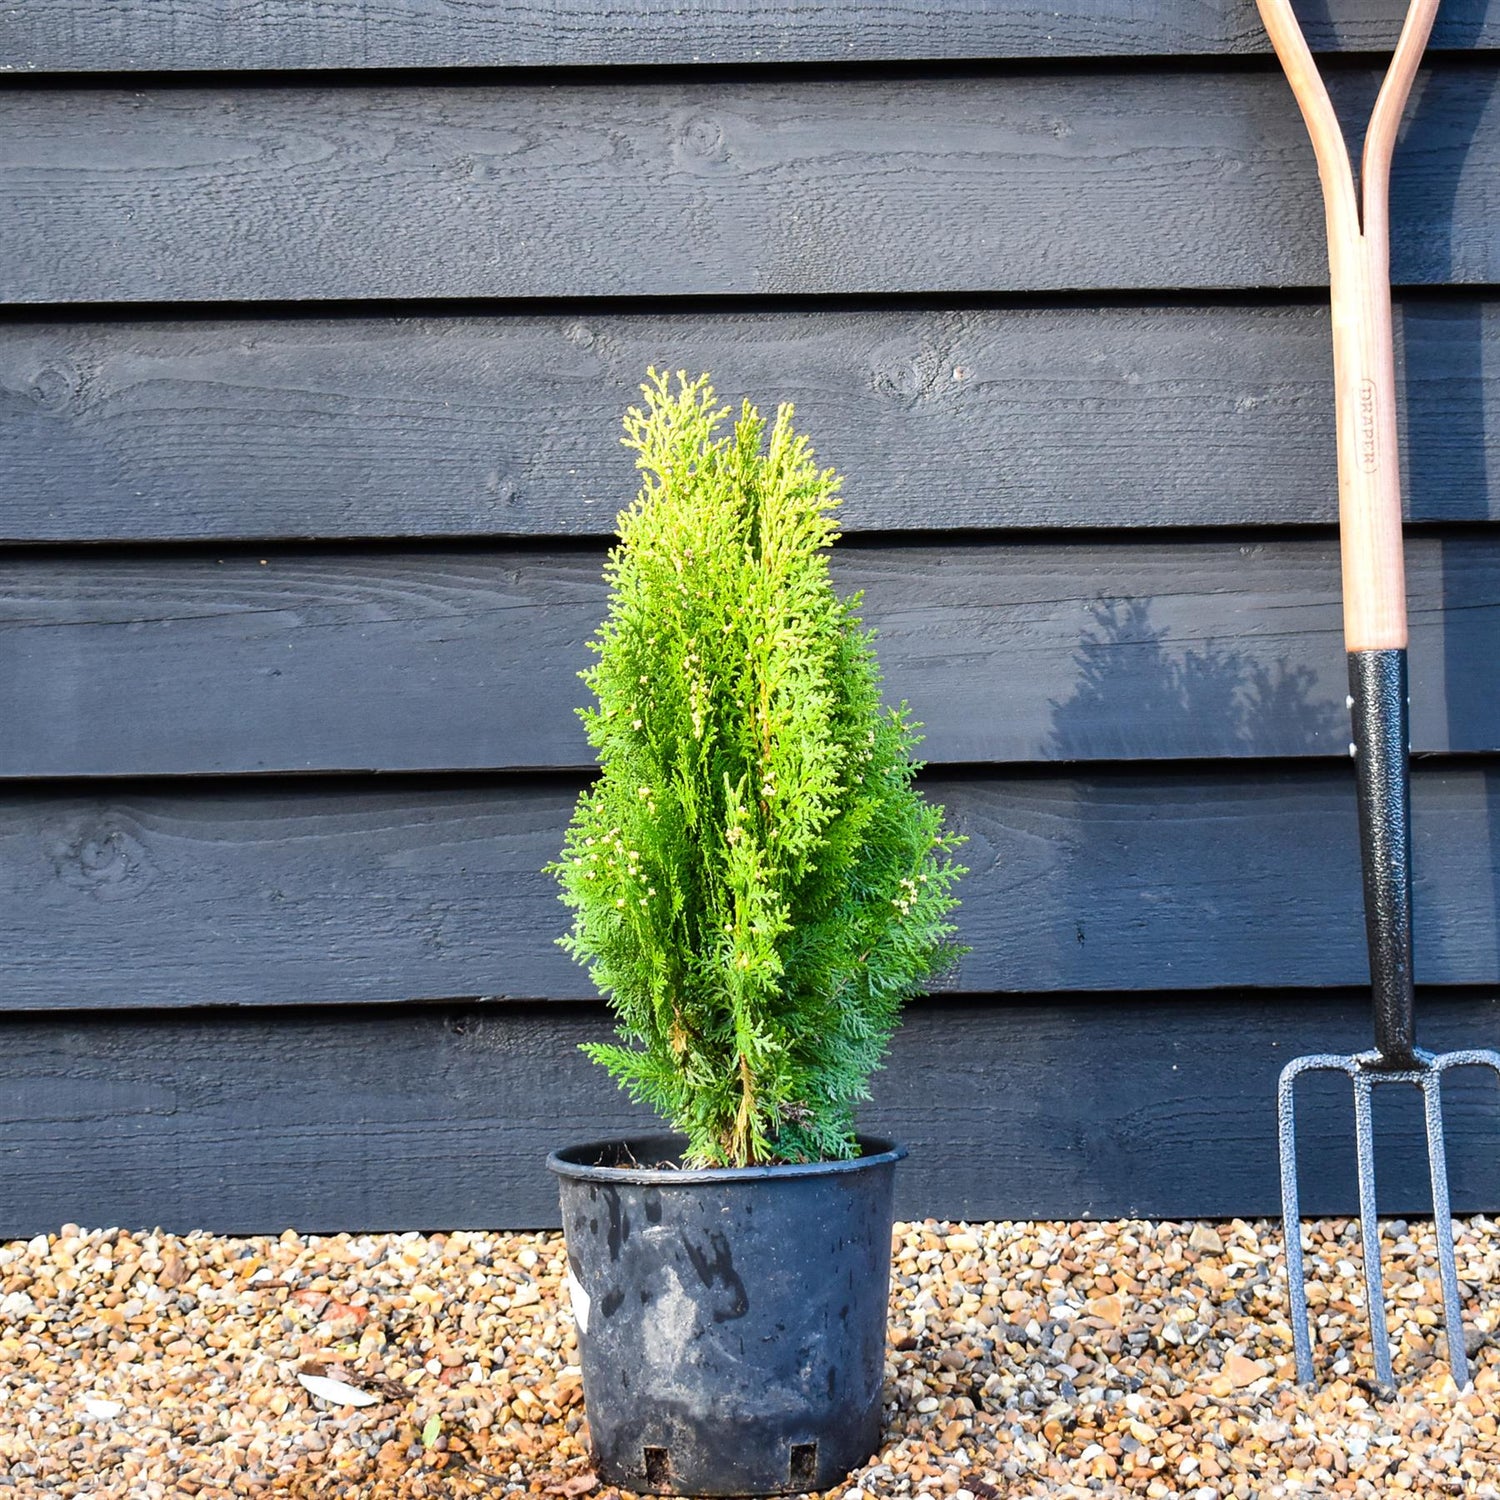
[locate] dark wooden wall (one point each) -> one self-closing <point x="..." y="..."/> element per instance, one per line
<point x="318" y="319"/>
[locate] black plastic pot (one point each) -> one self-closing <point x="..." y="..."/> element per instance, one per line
<point x="731" y="1322"/>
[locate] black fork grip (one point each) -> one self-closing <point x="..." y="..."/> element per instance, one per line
<point x="1377" y="690"/>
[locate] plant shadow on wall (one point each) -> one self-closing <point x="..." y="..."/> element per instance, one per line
<point x="1441" y="350"/>
<point x="1198" y="702"/>
<point x="1163" y="884"/>
<point x="1160" y="903"/>
<point x="1165" y="863"/>
<point x="1168" y="876"/>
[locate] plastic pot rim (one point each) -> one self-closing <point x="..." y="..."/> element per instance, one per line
<point x="577" y="1163"/>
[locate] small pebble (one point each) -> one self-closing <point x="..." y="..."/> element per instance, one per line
<point x="1026" y="1359"/>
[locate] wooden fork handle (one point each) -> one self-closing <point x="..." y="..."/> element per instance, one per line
<point x="1364" y="368"/>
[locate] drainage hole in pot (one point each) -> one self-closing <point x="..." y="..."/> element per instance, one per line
<point x="804" y="1469"/>
<point x="658" y="1466"/>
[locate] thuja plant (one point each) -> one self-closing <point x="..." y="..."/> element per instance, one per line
<point x="756" y="884"/>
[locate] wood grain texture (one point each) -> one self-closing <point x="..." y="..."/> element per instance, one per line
<point x="111" y="35"/>
<point x="992" y="182"/>
<point x="285" y="894"/>
<point x="463" y="426"/>
<point x="441" y="1118"/>
<point x="1136" y="649"/>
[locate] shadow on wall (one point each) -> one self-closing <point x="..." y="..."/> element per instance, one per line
<point x="1207" y="697"/>
<point x="1441" y="352"/>
<point x="1135" y="882"/>
<point x="1178" y="873"/>
<point x="1446" y="441"/>
<point x="1444" y="344"/>
<point x="1447" y="460"/>
<point x="1119" y="888"/>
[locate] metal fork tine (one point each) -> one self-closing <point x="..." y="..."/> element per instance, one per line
<point x="1365" y="1071"/>
<point x="1291" y="1220"/>
<point x="1442" y="1223"/>
<point x="1369" y="1230"/>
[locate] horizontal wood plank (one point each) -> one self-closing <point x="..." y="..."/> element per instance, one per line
<point x="277" y="894"/>
<point x="994" y="182"/>
<point x="971" y="417"/>
<point x="441" y="1118"/>
<point x="1131" y="650"/>
<point x="118" y="35"/>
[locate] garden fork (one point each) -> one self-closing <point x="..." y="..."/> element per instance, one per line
<point x="1374" y="592"/>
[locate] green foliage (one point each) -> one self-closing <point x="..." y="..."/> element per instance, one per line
<point x="756" y="884"/>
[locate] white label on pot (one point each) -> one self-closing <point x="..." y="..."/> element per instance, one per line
<point x="580" y="1300"/>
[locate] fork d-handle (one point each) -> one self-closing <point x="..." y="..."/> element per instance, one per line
<point x="1374" y="580"/>
<point x="1377" y="695"/>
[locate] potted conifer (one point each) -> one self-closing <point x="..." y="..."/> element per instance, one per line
<point x="756" y="886"/>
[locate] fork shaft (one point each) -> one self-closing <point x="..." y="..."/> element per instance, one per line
<point x="1377" y="691"/>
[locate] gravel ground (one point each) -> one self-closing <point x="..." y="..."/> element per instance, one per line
<point x="1027" y="1359"/>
